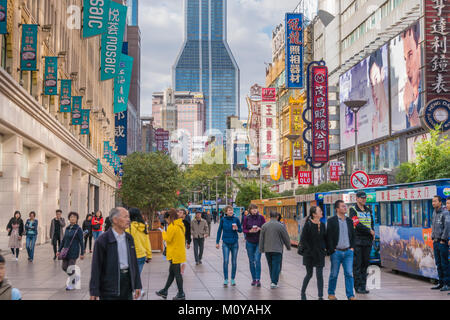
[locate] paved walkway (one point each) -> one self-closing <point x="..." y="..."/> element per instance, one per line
<point x="44" y="279"/>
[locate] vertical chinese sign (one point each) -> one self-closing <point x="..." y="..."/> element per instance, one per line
<point x="120" y="132"/>
<point x="76" y="110"/>
<point x="254" y="125"/>
<point x="51" y="76"/>
<point x="437" y="18"/>
<point x="269" y="137"/>
<point x="335" y="170"/>
<point x="122" y="84"/>
<point x="294" y="50"/>
<point x="28" y="49"/>
<point x="319" y="110"/>
<point x="65" y="96"/>
<point x="85" y="121"/>
<point x="3" y="16"/>
<point x="296" y="126"/>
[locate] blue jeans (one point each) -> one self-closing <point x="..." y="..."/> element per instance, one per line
<point x="274" y="261"/>
<point x="31" y="241"/>
<point x="441" y="259"/>
<point x="226" y="249"/>
<point x="96" y="234"/>
<point x="346" y="259"/>
<point x="254" y="257"/>
<point x="141" y="263"/>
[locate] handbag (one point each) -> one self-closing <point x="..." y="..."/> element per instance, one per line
<point x="300" y="249"/>
<point x="65" y="251"/>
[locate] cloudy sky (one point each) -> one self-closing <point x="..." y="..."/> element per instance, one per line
<point x="250" y="25"/>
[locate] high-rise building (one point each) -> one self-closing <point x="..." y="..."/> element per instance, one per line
<point x="148" y="134"/>
<point x="206" y="64"/>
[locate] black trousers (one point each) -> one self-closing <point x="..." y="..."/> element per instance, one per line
<point x="15" y="251"/>
<point x="86" y="238"/>
<point x="199" y="244"/>
<point x="56" y="242"/>
<point x="126" y="291"/>
<point x="319" y="277"/>
<point x="175" y="273"/>
<point x="361" y="262"/>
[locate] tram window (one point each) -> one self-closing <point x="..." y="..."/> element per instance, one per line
<point x="426" y="213"/>
<point x="397" y="214"/>
<point x="383" y="214"/>
<point x="376" y="213"/>
<point x="416" y="213"/>
<point x="406" y="220"/>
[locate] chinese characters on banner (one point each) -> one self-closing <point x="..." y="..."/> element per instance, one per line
<point x="28" y="50"/>
<point x="319" y="125"/>
<point x="296" y="126"/>
<point x="162" y="140"/>
<point x="95" y="16"/>
<point x="294" y="50"/>
<point x="304" y="177"/>
<point x="268" y="124"/>
<point x="254" y="130"/>
<point x="3" y="16"/>
<point x="419" y="193"/>
<point x="335" y="170"/>
<point x="65" y="96"/>
<point x="51" y="76"/>
<point x="120" y="132"/>
<point x="76" y="110"/>
<point x="122" y="83"/>
<point x="84" y="121"/>
<point x="437" y="17"/>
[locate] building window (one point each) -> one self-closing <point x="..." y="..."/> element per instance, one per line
<point x="25" y="162"/>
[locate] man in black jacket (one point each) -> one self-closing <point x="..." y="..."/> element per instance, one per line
<point x="340" y="247"/>
<point x="361" y="216"/>
<point x="115" y="272"/>
<point x="182" y="214"/>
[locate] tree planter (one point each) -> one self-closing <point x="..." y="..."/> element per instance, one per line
<point x="156" y="240"/>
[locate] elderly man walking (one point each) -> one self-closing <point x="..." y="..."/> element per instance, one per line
<point x="115" y="272"/>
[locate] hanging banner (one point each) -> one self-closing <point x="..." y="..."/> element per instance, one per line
<point x="3" y="16"/>
<point x="106" y="150"/>
<point x="99" y="166"/>
<point x="76" y="110"/>
<point x="28" y="49"/>
<point x="65" y="96"/>
<point x="112" y="41"/>
<point x="120" y="132"/>
<point x="84" y="121"/>
<point x="320" y="130"/>
<point x="51" y="76"/>
<point x="95" y="17"/>
<point x="122" y="83"/>
<point x="294" y="50"/>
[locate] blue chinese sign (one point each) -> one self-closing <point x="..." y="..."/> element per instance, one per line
<point x="122" y="84"/>
<point x="76" y="110"/>
<point x="121" y="132"/>
<point x="51" y="76"/>
<point x="3" y="16"/>
<point x="65" y="96"/>
<point x="28" y="49"/>
<point x="95" y="16"/>
<point x="112" y="41"/>
<point x="294" y="50"/>
<point x="84" y="121"/>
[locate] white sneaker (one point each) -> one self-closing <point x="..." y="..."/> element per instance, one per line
<point x="17" y="259"/>
<point x="273" y="286"/>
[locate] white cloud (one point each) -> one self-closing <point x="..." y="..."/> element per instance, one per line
<point x="249" y="37"/>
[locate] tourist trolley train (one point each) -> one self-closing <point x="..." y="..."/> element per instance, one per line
<point x="402" y="216"/>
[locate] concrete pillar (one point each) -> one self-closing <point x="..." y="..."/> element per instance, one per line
<point x="76" y="188"/>
<point x="84" y="201"/>
<point x="101" y="196"/>
<point x="65" y="190"/>
<point x="91" y="198"/>
<point x="35" y="194"/>
<point x="53" y="193"/>
<point x="9" y="183"/>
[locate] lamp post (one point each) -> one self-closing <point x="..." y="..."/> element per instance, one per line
<point x="355" y="106"/>
<point x="217" y="197"/>
<point x="292" y="138"/>
<point x="226" y="187"/>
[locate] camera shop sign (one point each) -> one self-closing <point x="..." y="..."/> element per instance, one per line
<point x="436" y="113"/>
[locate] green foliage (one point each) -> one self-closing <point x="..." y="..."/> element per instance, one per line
<point x="406" y="172"/>
<point x="286" y="193"/>
<point x="324" y="187"/>
<point x="249" y="191"/>
<point x="150" y="182"/>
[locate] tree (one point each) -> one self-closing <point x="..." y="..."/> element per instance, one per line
<point x="150" y="182"/>
<point x="250" y="191"/>
<point x="324" y="187"/>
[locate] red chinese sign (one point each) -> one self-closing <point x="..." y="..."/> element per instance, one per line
<point x="437" y="17"/>
<point x="287" y="170"/>
<point x="320" y="130"/>
<point x="334" y="173"/>
<point x="269" y="95"/>
<point x="378" y="180"/>
<point x="304" y="177"/>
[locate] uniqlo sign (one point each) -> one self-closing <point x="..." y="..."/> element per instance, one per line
<point x="304" y="177"/>
<point x="320" y="130"/>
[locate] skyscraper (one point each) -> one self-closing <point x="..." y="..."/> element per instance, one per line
<point x="206" y="64"/>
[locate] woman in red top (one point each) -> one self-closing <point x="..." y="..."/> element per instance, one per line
<point x="97" y="224"/>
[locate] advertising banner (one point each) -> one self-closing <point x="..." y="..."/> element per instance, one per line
<point x="85" y="121"/>
<point x="377" y="180"/>
<point x="120" y="132"/>
<point x="411" y="142"/>
<point x="269" y="95"/>
<point x="294" y="50"/>
<point x="3" y="16"/>
<point x="319" y="111"/>
<point x="296" y="127"/>
<point x="368" y="80"/>
<point x="254" y="130"/>
<point x="122" y="83"/>
<point x="241" y="152"/>
<point x="269" y="134"/>
<point x="76" y="110"/>
<point x="406" y="79"/>
<point x="28" y="49"/>
<point x="95" y="17"/>
<point x="304" y="177"/>
<point x="112" y="41"/>
<point x="99" y="166"/>
<point x="51" y="76"/>
<point x="65" y="96"/>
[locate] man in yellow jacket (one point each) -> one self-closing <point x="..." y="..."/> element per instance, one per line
<point x="175" y="254"/>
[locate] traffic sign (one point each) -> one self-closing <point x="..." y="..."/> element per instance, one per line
<point x="359" y="180"/>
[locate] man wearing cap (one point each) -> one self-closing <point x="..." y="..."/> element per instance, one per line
<point x="365" y="234"/>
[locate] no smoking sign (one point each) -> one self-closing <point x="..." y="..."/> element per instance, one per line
<point x="359" y="180"/>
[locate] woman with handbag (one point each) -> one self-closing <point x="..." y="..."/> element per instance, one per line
<point x="15" y="230"/>
<point x="87" y="231"/>
<point x="97" y="224"/>
<point x="72" y="246"/>
<point x="313" y="248"/>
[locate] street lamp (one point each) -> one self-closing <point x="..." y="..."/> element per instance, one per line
<point x="292" y="138"/>
<point x="217" y="197"/>
<point x="355" y="106"/>
<point x="226" y="186"/>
